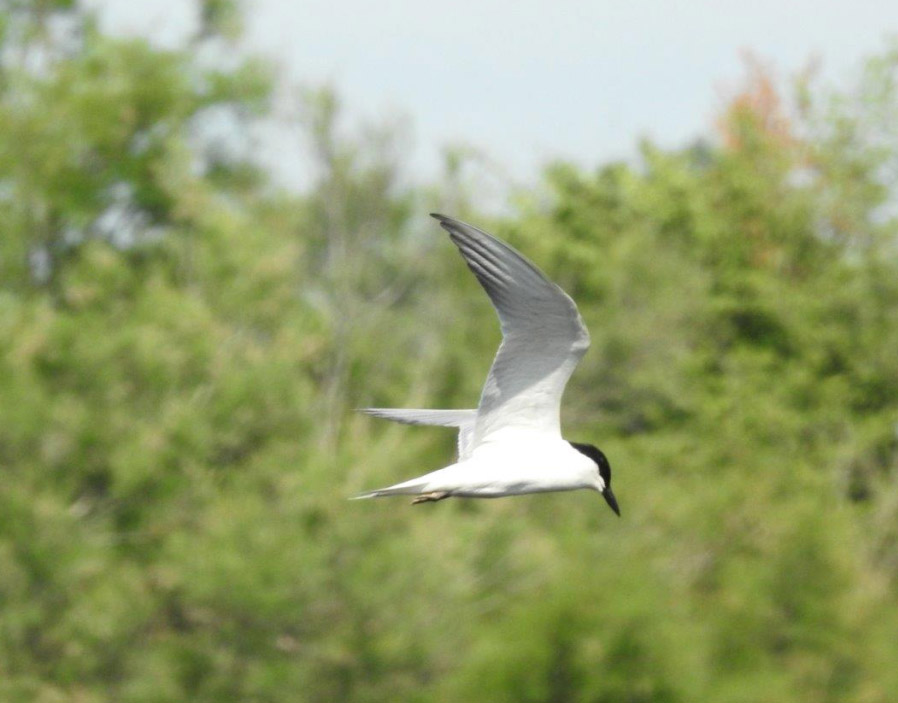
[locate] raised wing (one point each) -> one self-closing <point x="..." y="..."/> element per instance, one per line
<point x="462" y="419"/>
<point x="543" y="337"/>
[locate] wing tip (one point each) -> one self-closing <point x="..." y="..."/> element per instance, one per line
<point x="445" y="221"/>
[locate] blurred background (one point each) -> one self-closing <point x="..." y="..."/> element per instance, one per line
<point x="214" y="246"/>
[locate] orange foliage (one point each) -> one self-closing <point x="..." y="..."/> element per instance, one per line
<point x="756" y="110"/>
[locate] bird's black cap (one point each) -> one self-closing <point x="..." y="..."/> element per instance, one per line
<point x="602" y="462"/>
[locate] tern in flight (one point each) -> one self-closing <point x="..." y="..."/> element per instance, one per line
<point x="511" y="444"/>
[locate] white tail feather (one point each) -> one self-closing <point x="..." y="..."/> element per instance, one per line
<point x="411" y="416"/>
<point x="406" y="488"/>
<point x="462" y="419"/>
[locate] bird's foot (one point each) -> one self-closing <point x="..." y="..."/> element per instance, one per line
<point x="430" y="497"/>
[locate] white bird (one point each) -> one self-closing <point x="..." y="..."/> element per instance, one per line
<point x="511" y="444"/>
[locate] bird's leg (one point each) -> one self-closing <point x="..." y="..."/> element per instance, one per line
<point x="430" y="497"/>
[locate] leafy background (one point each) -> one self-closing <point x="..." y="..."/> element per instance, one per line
<point x="183" y="344"/>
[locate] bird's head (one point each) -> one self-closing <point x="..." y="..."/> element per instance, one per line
<point x="603" y="472"/>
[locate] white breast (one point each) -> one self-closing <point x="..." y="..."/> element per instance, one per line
<point x="529" y="465"/>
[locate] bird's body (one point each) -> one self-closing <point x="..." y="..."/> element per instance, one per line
<point x="512" y="444"/>
<point x="503" y="468"/>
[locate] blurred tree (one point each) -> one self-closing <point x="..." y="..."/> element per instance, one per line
<point x="181" y="347"/>
<point x="728" y="324"/>
<point x="97" y="133"/>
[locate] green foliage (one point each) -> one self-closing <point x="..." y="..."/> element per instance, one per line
<point x="181" y="350"/>
<point x="96" y="140"/>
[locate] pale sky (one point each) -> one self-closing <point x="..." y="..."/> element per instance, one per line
<point x="527" y="81"/>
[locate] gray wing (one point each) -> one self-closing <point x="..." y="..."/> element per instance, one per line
<point x="462" y="419"/>
<point x="543" y="336"/>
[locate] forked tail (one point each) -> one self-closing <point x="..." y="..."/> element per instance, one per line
<point x="406" y="488"/>
<point x="462" y="419"/>
<point x="412" y="416"/>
